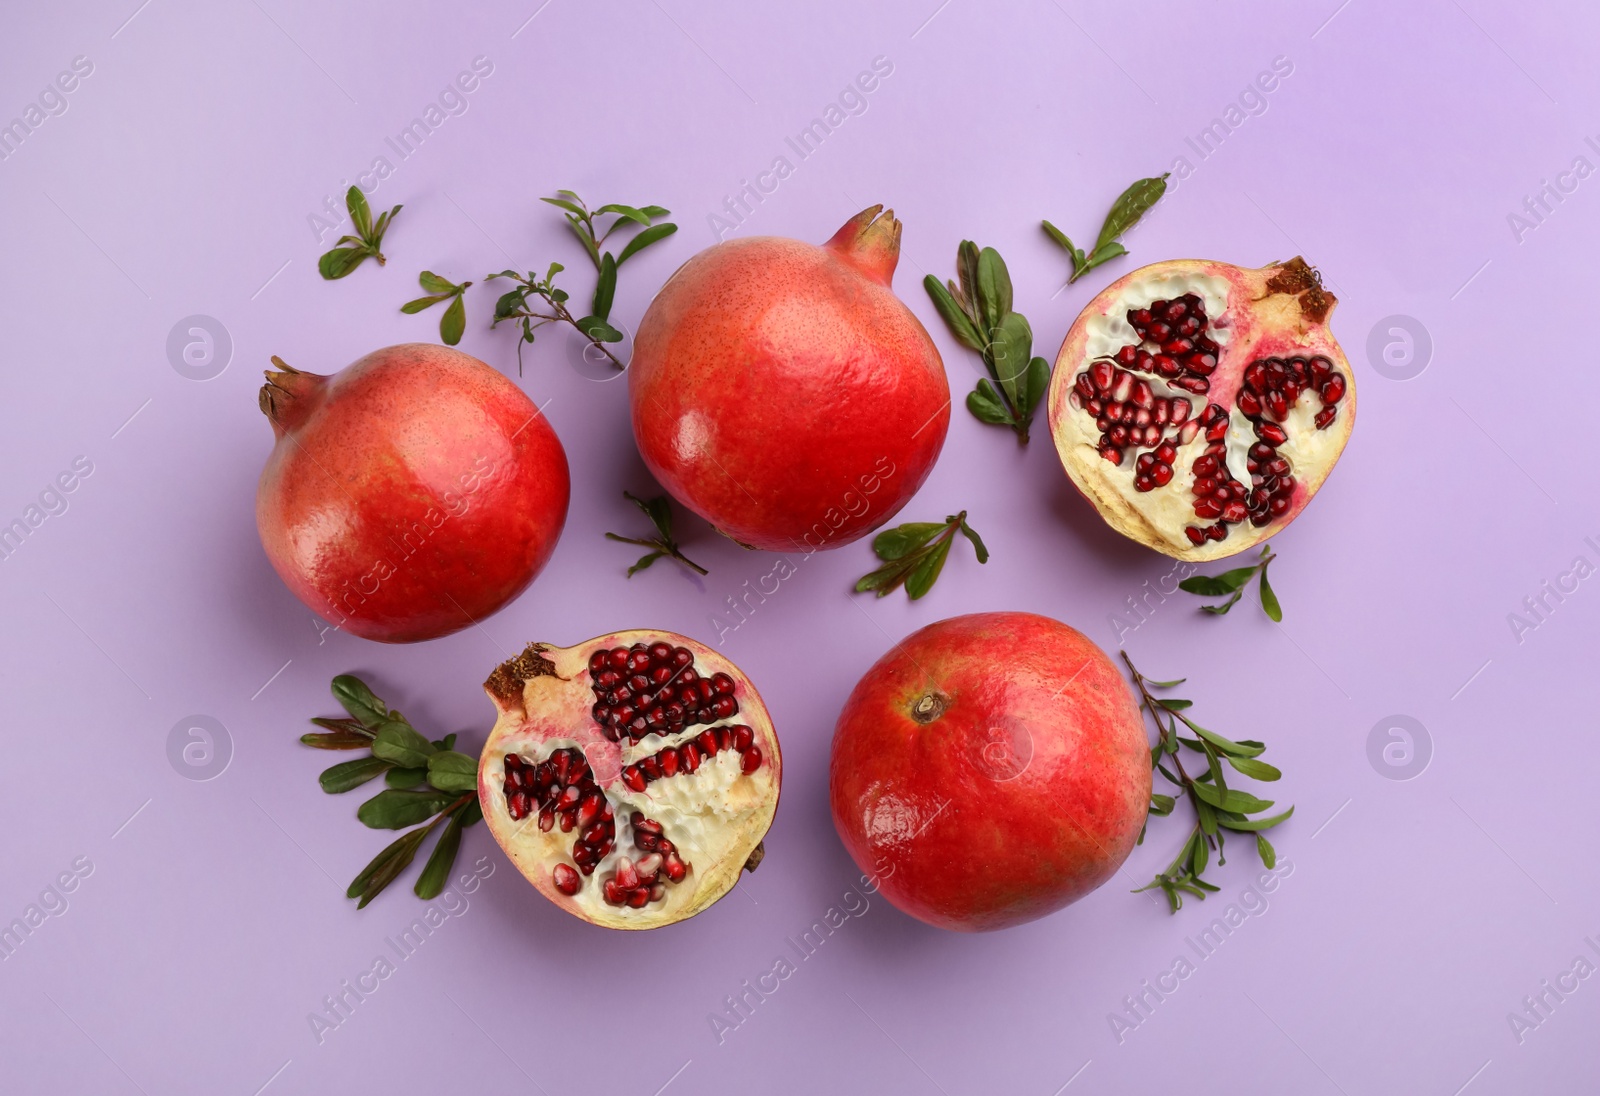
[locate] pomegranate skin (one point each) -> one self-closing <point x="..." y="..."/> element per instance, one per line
<point x="784" y="393"/>
<point x="990" y="770"/>
<point x="409" y="495"/>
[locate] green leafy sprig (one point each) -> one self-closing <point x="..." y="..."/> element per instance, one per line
<point x="429" y="783"/>
<point x="1219" y="809"/>
<point x="1125" y="212"/>
<point x="586" y="224"/>
<point x="659" y="511"/>
<point x="915" y="553"/>
<point x="978" y="311"/>
<point x="1233" y="582"/>
<point x="454" y="320"/>
<point x="367" y="241"/>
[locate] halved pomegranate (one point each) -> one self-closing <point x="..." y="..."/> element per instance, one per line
<point x="630" y="778"/>
<point x="1199" y="405"/>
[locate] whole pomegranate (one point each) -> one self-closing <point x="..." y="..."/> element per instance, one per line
<point x="784" y="393"/>
<point x="1199" y="405"/>
<point x="989" y="770"/>
<point x="409" y="495"/>
<point x="630" y="778"/>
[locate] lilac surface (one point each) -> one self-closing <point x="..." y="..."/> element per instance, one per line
<point x="180" y="181"/>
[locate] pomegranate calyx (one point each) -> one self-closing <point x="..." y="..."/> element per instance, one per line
<point x="289" y="396"/>
<point x="758" y="854"/>
<point x="506" y="683"/>
<point x="1298" y="278"/>
<point x="929" y="706"/>
<point x="870" y="243"/>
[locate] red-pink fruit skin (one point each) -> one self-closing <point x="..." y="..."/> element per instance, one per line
<point x="1024" y="795"/>
<point x="786" y="395"/>
<point x="427" y="460"/>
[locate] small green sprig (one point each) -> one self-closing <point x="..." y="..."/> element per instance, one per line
<point x="1125" y="212"/>
<point x="1233" y="582"/>
<point x="428" y="783"/>
<point x="454" y="320"/>
<point x="586" y="224"/>
<point x="978" y="311"/>
<point x="367" y="241"/>
<point x="915" y="553"/>
<point x="1218" y="808"/>
<point x="659" y="511"/>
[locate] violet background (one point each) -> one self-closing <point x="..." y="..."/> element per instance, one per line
<point x="179" y="182"/>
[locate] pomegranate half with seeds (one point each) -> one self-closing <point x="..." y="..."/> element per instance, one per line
<point x="630" y="778"/>
<point x="989" y="770"/>
<point x="1199" y="406"/>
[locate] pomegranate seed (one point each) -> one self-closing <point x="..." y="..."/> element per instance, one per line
<point x="1249" y="404"/>
<point x="658" y="891"/>
<point x="1234" y="512"/>
<point x="611" y="892"/>
<point x="1084" y="387"/>
<point x="568" y="820"/>
<point x="688" y="757"/>
<point x="1162" y="475"/>
<point x="1179" y="411"/>
<point x="1216" y="532"/>
<point x="1187" y="432"/>
<point x="648" y="867"/>
<point x="638" y="899"/>
<point x="1285" y="485"/>
<point x="651" y="767"/>
<point x="1205" y="485"/>
<point x="751" y="761"/>
<point x="1111" y="453"/>
<point x="589" y="808"/>
<point x="1208" y="509"/>
<point x="1318" y="370"/>
<point x="1202" y="363"/>
<point x="565" y="879"/>
<point x="1332" y="390"/>
<point x="1141" y="416"/>
<point x="707" y="741"/>
<point x="1101" y="374"/>
<point x="1279" y="505"/>
<point x="1094" y="406"/>
<point x="547" y="819"/>
<point x="1166" y="452"/>
<point x="1326" y="416"/>
<point x="1143" y="483"/>
<point x="1141" y="394"/>
<point x="626" y="877"/>
<point x="1165" y="366"/>
<point x="743" y="738"/>
<point x="1160" y="414"/>
<point x="1271" y="433"/>
<point x="1127" y="355"/>
<point x="669" y="762"/>
<point x="1196" y="536"/>
<point x="1255" y="377"/>
<point x="1158" y="332"/>
<point x="675" y="867"/>
<point x="1192" y="383"/>
<point x="1122" y="385"/>
<point x="1205" y="466"/>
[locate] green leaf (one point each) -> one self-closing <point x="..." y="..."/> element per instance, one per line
<point x="645" y="239"/>
<point x="1162" y="804"/>
<point x="645" y="561"/>
<point x="1251" y="825"/>
<point x="1258" y="770"/>
<point x="337" y="740"/>
<point x="341" y="261"/>
<point x="955" y="318"/>
<point x="1219" y="610"/>
<point x="1200" y="855"/>
<point x="564" y="204"/>
<point x="898" y="542"/>
<point x="400" y="743"/>
<point x="627" y="211"/>
<point x="351" y="774"/>
<point x="453" y="772"/>
<point x="509" y="303"/>
<point x="405" y="778"/>
<point x="1217" y="585"/>
<point x="1038" y="383"/>
<point x="385" y="867"/>
<point x="435" y="284"/>
<point x="597" y="329"/>
<point x="362" y="704"/>
<point x="454" y="321"/>
<point x="1269" y="855"/>
<point x="967" y="271"/>
<point x="926" y="573"/>
<point x="1059" y="237"/>
<point x="1010" y="351"/>
<point x="659" y="511"/>
<point x="606" y="288"/>
<point x="1230" y="799"/>
<point x="1173" y="704"/>
<point x="436" y="872"/>
<point x="448" y="742"/>
<point x="394" y="810"/>
<point x="1226" y="745"/>
<point x="360" y="212"/>
<point x="1104" y="253"/>
<point x="985" y="405"/>
<point x="580" y="230"/>
<point x="1269" y="599"/>
<point x="977" y="544"/>
<point x="1131" y="205"/>
<point x="411" y="308"/>
<point x="994" y="287"/>
<point x="470" y="814"/>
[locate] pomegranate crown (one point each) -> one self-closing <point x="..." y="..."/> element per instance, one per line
<point x="289" y="396"/>
<point x="870" y="243"/>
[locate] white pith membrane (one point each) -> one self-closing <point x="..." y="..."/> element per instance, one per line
<point x="1248" y="323"/>
<point x="712" y="819"/>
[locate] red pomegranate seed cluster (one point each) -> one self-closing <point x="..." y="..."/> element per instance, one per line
<point x="1271" y="387"/>
<point x="563" y="790"/>
<point x="654" y="688"/>
<point x="637" y="884"/>
<point x="686" y="758"/>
